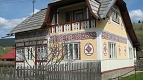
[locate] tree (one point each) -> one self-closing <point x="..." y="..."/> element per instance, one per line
<point x="139" y="21"/>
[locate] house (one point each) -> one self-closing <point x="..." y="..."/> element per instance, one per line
<point x="10" y="56"/>
<point x="87" y="29"/>
<point x="29" y="35"/>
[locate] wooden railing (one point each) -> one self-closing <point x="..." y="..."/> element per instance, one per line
<point x="75" y="25"/>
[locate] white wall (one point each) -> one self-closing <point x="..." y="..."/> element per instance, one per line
<point x="110" y="64"/>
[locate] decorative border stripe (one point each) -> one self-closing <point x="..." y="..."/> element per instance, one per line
<point x="72" y="37"/>
<point x="113" y="37"/>
<point x="32" y="34"/>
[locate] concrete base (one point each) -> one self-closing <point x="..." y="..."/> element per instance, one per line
<point x="116" y="73"/>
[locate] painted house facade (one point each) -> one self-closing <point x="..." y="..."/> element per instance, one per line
<point x="87" y="29"/>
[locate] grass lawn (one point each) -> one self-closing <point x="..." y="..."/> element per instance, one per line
<point x="139" y="76"/>
<point x="4" y="50"/>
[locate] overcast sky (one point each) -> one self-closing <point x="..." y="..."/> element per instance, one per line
<point x="12" y="12"/>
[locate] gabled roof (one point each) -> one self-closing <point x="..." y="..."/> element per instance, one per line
<point x="35" y="21"/>
<point x="9" y="55"/>
<point x="99" y="9"/>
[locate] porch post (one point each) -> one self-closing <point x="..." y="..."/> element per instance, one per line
<point x="99" y="44"/>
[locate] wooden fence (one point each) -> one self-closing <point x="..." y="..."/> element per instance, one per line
<point x="139" y="65"/>
<point x="65" y="71"/>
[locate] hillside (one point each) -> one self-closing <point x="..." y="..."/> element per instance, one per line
<point x="6" y="45"/>
<point x="138" y="27"/>
<point x="7" y="42"/>
<point x="4" y="50"/>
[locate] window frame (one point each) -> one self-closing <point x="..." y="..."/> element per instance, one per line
<point x="20" y="54"/>
<point x="43" y="49"/>
<point x="70" y="16"/>
<point x="112" y="50"/>
<point x="73" y="50"/>
<point x="115" y="16"/>
<point x="131" y="55"/>
<point x="30" y="53"/>
<point x="75" y="14"/>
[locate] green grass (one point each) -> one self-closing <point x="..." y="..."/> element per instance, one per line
<point x="139" y="76"/>
<point x="138" y="28"/>
<point x="4" y="50"/>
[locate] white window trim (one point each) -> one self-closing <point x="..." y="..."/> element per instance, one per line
<point x="73" y="50"/>
<point x="42" y="56"/>
<point x="20" y="53"/>
<point x="113" y="54"/>
<point x="131" y="54"/>
<point x="75" y="16"/>
<point x="116" y="22"/>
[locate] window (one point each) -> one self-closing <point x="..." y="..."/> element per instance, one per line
<point x="115" y="15"/>
<point x="20" y="54"/>
<point x="130" y="52"/>
<point x="68" y="17"/>
<point x="112" y="50"/>
<point x="42" y="52"/>
<point x="78" y="15"/>
<point x="30" y="53"/>
<point x="71" y="51"/>
<point x="86" y="13"/>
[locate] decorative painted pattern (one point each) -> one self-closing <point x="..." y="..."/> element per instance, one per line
<point x="32" y="34"/>
<point x="125" y="51"/>
<point x="71" y="37"/>
<point x="31" y="43"/>
<point x="105" y="49"/>
<point x="88" y="49"/>
<point x="119" y="49"/>
<point x="114" y="37"/>
<point x="55" y="51"/>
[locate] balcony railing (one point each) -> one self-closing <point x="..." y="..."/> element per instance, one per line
<point x="71" y="26"/>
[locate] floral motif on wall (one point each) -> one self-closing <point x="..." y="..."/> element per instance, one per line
<point x="88" y="49"/>
<point x="55" y="51"/>
<point x="105" y="49"/>
<point x="125" y="51"/>
<point x="113" y="37"/>
<point x="72" y="37"/>
<point x="119" y="50"/>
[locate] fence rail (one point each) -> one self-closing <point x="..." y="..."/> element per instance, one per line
<point x="139" y="65"/>
<point x="65" y="71"/>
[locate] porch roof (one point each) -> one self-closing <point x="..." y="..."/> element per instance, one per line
<point x="9" y="55"/>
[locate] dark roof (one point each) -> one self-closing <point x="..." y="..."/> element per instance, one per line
<point x="35" y="21"/>
<point x="9" y="55"/>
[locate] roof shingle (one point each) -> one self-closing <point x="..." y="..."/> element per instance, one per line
<point x="35" y="21"/>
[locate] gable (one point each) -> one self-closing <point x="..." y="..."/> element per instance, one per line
<point x="100" y="10"/>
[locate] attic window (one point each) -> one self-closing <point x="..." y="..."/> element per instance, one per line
<point x="115" y="15"/>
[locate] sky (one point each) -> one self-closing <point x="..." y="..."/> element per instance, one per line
<point x="13" y="12"/>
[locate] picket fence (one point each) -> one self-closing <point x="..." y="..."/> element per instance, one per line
<point x="64" y="71"/>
